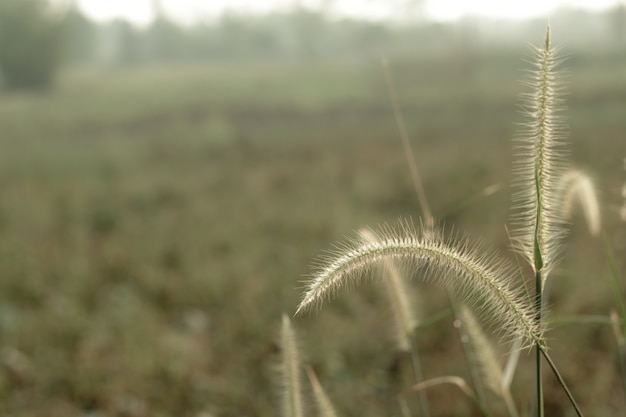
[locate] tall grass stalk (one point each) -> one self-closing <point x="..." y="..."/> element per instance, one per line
<point x="619" y="300"/>
<point x="621" y="346"/>
<point x="615" y="283"/>
<point x="416" y="179"/>
<point x="455" y="380"/>
<point x="419" y="189"/>
<point x="538" y="218"/>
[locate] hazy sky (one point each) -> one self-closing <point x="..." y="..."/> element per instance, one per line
<point x="140" y="11"/>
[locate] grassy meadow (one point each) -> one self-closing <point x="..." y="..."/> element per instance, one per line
<point x="155" y="223"/>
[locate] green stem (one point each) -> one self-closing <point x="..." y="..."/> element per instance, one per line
<point x="404" y="408"/>
<point x="454" y="380"/>
<point x="419" y="377"/>
<point x="561" y="381"/>
<point x="538" y="348"/>
<point x="619" y="299"/>
<point x="617" y="292"/>
<point x="434" y="319"/>
<point x="621" y="352"/>
<point x="583" y="319"/>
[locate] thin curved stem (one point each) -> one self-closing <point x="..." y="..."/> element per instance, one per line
<point x="404" y="136"/>
<point x="453" y="380"/>
<point x="419" y="376"/>
<point x="561" y="381"/>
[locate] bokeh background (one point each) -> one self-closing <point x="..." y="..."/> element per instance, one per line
<point x="166" y="180"/>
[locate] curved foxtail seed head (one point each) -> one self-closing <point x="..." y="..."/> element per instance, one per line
<point x="575" y="186"/>
<point x="537" y="222"/>
<point x="474" y="274"/>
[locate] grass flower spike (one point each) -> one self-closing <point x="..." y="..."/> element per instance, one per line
<point x="290" y="369"/>
<point x="324" y="405"/>
<point x="486" y="360"/>
<point x="537" y="222"/>
<point x="475" y="277"/>
<point x="576" y="186"/>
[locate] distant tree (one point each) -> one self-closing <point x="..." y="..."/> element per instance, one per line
<point x="233" y="36"/>
<point x="127" y="43"/>
<point x="81" y="36"/>
<point x="308" y="27"/>
<point x="31" y="42"/>
<point x="166" y="41"/>
<point x="617" y="20"/>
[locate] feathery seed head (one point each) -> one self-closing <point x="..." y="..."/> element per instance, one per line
<point x="290" y="370"/>
<point x="487" y="362"/>
<point x="537" y="221"/>
<point x="324" y="405"/>
<point x="473" y="273"/>
<point x="577" y="186"/>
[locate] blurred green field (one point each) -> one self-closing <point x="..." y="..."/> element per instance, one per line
<point x="155" y="223"/>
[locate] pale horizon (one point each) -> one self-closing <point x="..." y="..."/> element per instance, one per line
<point x="189" y="11"/>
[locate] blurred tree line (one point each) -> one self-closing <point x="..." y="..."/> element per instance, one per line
<point x="31" y="42"/>
<point x="36" y="38"/>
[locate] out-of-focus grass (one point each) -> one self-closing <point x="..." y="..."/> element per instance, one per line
<point x="155" y="224"/>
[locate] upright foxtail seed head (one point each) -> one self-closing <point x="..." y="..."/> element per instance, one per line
<point x="617" y="329"/>
<point x="537" y="220"/>
<point x="473" y="273"/>
<point x="401" y="306"/>
<point x="324" y="405"/>
<point x="486" y="360"/>
<point x="577" y="186"/>
<point x="487" y="363"/>
<point x="511" y="363"/>
<point x="290" y="371"/>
